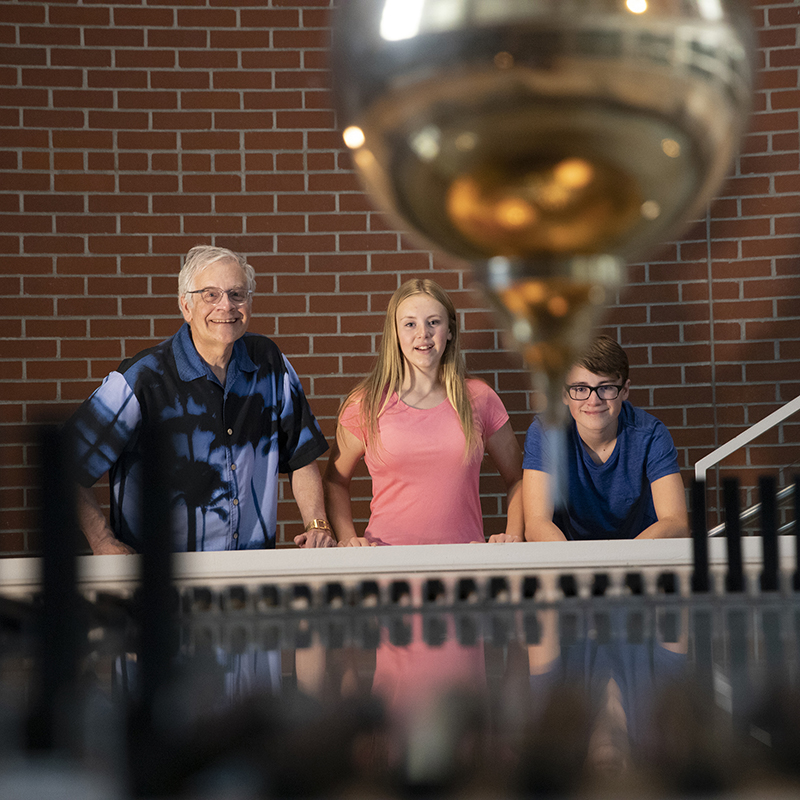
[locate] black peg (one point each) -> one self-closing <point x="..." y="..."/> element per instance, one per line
<point x="600" y="584"/>
<point x="152" y="760"/>
<point x="741" y="690"/>
<point x="434" y="629"/>
<point x="669" y="625"/>
<point x="700" y="576"/>
<point x="467" y="630"/>
<point x="434" y="591"/>
<point x="334" y="632"/>
<point x="157" y="628"/>
<point x="796" y="580"/>
<point x="367" y="632"/>
<point x="602" y="627"/>
<point x="369" y="594"/>
<point x="302" y="632"/>
<point x="667" y="583"/>
<point x="769" y="533"/>
<point x="734" y="580"/>
<point x="568" y="585"/>
<point x="499" y="590"/>
<point x="635" y="626"/>
<point x="533" y="628"/>
<point x="530" y="586"/>
<point x="334" y="595"/>
<point x="634" y="582"/>
<point x="60" y="635"/>
<point x="302" y="598"/>
<point x="400" y="633"/>
<point x="400" y="593"/>
<point x="569" y="628"/>
<point x="501" y="627"/>
<point x="703" y="627"/>
<point x="467" y="591"/>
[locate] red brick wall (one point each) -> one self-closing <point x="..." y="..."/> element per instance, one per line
<point x="131" y="131"/>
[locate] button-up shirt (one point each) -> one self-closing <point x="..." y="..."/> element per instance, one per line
<point x="224" y="446"/>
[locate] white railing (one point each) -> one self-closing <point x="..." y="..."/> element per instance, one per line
<point x="754" y="510"/>
<point x="745" y="437"/>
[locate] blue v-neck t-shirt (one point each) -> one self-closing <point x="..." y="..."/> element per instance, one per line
<point x="612" y="500"/>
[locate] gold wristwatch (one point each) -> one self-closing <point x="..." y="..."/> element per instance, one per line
<point x="319" y="525"/>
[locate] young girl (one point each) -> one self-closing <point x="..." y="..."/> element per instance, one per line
<point x="422" y="426"/>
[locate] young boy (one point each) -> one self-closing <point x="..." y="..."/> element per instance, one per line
<point x="622" y="466"/>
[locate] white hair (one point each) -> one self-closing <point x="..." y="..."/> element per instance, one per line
<point x="203" y="256"/>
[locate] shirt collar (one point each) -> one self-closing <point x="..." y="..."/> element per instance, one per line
<point x="191" y="366"/>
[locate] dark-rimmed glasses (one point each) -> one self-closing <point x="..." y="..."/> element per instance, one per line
<point x="213" y="296"/>
<point x="605" y="391"/>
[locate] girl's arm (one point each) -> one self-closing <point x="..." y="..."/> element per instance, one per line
<point x="504" y="451"/>
<point x="346" y="452"/>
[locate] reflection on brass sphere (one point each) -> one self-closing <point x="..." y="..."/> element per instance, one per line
<point x="544" y="142"/>
<point x="570" y="206"/>
<point x="523" y="129"/>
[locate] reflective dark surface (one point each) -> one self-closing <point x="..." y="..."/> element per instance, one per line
<point x="649" y="692"/>
<point x="661" y="668"/>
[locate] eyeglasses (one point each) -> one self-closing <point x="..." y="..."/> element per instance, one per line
<point x="605" y="391"/>
<point x="214" y="296"/>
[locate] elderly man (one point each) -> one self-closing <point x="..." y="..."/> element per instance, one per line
<point x="231" y="415"/>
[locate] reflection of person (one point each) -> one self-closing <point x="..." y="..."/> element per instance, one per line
<point x="231" y="414"/>
<point x="623" y="476"/>
<point x="421" y="427"/>
<point x="619" y="677"/>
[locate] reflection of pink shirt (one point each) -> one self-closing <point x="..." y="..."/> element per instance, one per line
<point x="412" y="678"/>
<point x="423" y="492"/>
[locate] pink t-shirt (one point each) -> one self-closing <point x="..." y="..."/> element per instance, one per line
<point x="423" y="492"/>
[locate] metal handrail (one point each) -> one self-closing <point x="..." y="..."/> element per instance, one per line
<point x="715" y="456"/>
<point x="753" y="511"/>
<point x="745" y="437"/>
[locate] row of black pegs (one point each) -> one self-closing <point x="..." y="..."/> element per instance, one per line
<point x="769" y="580"/>
<point x="61" y="616"/>
<point x="62" y="634"/>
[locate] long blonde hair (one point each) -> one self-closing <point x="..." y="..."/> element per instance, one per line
<point x="386" y="377"/>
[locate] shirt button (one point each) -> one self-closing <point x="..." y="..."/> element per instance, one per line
<point x="230" y="431"/>
<point x="233" y="467"/>
<point x="235" y="501"/>
<point x="235" y="535"/>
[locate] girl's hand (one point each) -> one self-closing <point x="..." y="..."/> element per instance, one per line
<point x="357" y="541"/>
<point x="504" y="537"/>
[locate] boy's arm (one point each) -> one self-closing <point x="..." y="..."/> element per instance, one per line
<point x="669" y="499"/>
<point x="537" y="504"/>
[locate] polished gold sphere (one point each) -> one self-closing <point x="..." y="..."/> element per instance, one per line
<point x="523" y="128"/>
<point x="545" y="142"/>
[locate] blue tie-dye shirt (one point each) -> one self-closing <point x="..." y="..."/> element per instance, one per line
<point x="224" y="445"/>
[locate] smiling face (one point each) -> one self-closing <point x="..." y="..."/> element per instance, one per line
<point x="422" y="331"/>
<point x="594" y="416"/>
<point x="215" y="328"/>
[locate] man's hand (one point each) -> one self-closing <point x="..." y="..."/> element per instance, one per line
<point x="504" y="537"/>
<point x="315" y="538"/>
<point x="95" y="526"/>
<point x="109" y="546"/>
